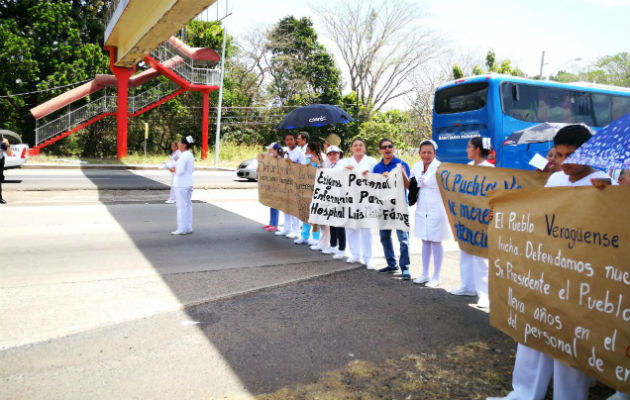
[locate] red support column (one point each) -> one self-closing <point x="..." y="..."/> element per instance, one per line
<point x="204" y="124"/>
<point x="122" y="76"/>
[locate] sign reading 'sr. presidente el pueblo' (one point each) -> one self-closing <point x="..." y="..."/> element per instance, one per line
<point x="464" y="190"/>
<point x="559" y="275"/>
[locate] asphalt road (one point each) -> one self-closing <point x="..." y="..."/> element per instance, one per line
<point x="110" y="179"/>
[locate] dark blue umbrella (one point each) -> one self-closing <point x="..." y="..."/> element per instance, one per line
<point x="314" y="115"/>
<point x="608" y="149"/>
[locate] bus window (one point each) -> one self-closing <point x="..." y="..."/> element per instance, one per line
<point x="548" y="104"/>
<point x="467" y="97"/>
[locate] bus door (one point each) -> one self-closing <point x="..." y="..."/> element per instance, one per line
<point x="459" y="114"/>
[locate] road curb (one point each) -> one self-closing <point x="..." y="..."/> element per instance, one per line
<point x="114" y="167"/>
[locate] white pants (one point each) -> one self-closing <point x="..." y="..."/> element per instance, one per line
<point x="171" y="195"/>
<point x="291" y="224"/>
<point x="360" y="243"/>
<point x="184" y="208"/>
<point x="532" y="373"/>
<point x="474" y="274"/>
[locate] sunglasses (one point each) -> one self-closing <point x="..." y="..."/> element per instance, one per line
<point x="387" y="146"/>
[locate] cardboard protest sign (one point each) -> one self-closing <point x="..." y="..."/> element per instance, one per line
<point x="560" y="275"/>
<point x="464" y="190"/>
<point x="353" y="200"/>
<point x="285" y="186"/>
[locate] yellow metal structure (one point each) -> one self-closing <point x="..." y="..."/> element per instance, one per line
<point x="139" y="26"/>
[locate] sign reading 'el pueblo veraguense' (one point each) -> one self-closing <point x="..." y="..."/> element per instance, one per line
<point x="464" y="190"/>
<point x="285" y="186"/>
<point x="352" y="200"/>
<point x="559" y="275"/>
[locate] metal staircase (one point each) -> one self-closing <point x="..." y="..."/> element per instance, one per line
<point x="167" y="59"/>
<point x="74" y="120"/>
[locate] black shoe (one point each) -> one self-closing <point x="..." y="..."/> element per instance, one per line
<point x="3" y="201"/>
<point x="388" y="269"/>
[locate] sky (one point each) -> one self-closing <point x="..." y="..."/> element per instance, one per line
<point x="572" y="33"/>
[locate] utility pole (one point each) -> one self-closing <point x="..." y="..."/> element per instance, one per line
<point x="542" y="62"/>
<point x="218" y="133"/>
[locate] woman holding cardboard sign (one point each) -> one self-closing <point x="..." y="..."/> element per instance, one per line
<point x="359" y="240"/>
<point x="474" y="269"/>
<point x="431" y="221"/>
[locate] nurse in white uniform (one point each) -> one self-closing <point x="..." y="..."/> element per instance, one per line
<point x="359" y="240"/>
<point x="474" y="269"/>
<point x="431" y="220"/>
<point x="183" y="184"/>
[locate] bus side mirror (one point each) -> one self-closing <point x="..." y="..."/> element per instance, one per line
<point x="515" y="93"/>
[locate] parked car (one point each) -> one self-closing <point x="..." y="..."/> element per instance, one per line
<point x="247" y="170"/>
<point x="19" y="149"/>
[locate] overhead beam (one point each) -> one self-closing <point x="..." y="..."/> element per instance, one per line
<point x="139" y="26"/>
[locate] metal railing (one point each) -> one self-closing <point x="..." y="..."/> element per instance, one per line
<point x="186" y="68"/>
<point x="114" y="12"/>
<point x="105" y="103"/>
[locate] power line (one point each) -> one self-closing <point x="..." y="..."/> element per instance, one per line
<point x="45" y="90"/>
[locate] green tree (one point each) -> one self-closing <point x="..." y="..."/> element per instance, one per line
<point x="609" y="70"/>
<point x="302" y="71"/>
<point x="457" y="72"/>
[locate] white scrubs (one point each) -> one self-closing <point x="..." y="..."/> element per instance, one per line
<point x="532" y="368"/>
<point x="431" y="220"/>
<point x="474" y="269"/>
<point x="183" y="183"/>
<point x="292" y="223"/>
<point x="359" y="240"/>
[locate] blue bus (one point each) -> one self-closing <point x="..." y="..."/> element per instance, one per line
<point x="496" y="106"/>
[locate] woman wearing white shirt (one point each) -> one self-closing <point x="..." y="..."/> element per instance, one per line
<point x="183" y="183"/>
<point x="474" y="269"/>
<point x="431" y="221"/>
<point x="359" y="240"/>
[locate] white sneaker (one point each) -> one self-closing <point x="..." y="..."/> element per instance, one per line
<point x="420" y="280"/>
<point x="496" y="398"/>
<point x="462" y="292"/>
<point x="300" y="240"/>
<point x="313" y="242"/>
<point x="352" y="259"/>
<point x="327" y="250"/>
<point x="483" y="304"/>
<point x="315" y="247"/>
<point x="370" y="264"/>
<point x="169" y="201"/>
<point x="293" y="235"/>
<point x="178" y="233"/>
<point x="433" y="283"/>
<point x="281" y="233"/>
<point x="339" y="255"/>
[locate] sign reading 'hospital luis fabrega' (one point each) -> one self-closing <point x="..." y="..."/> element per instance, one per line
<point x="559" y="275"/>
<point x="347" y="199"/>
<point x="465" y="189"/>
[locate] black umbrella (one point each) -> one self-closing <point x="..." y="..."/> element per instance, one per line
<point x="314" y="115"/>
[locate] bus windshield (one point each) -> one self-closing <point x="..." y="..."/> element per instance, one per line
<point x="533" y="103"/>
<point x="468" y="97"/>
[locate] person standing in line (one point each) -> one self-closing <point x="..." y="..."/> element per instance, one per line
<point x="302" y="141"/>
<point x="293" y="155"/>
<point x="275" y="150"/>
<point x="359" y="239"/>
<point x="4" y="147"/>
<point x="384" y="167"/>
<point x="431" y="220"/>
<point x="313" y="158"/>
<point x="174" y="157"/>
<point x="533" y="369"/>
<point x="337" y="233"/>
<point x="474" y="269"/>
<point x="183" y="183"/>
<point x="324" y="235"/>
